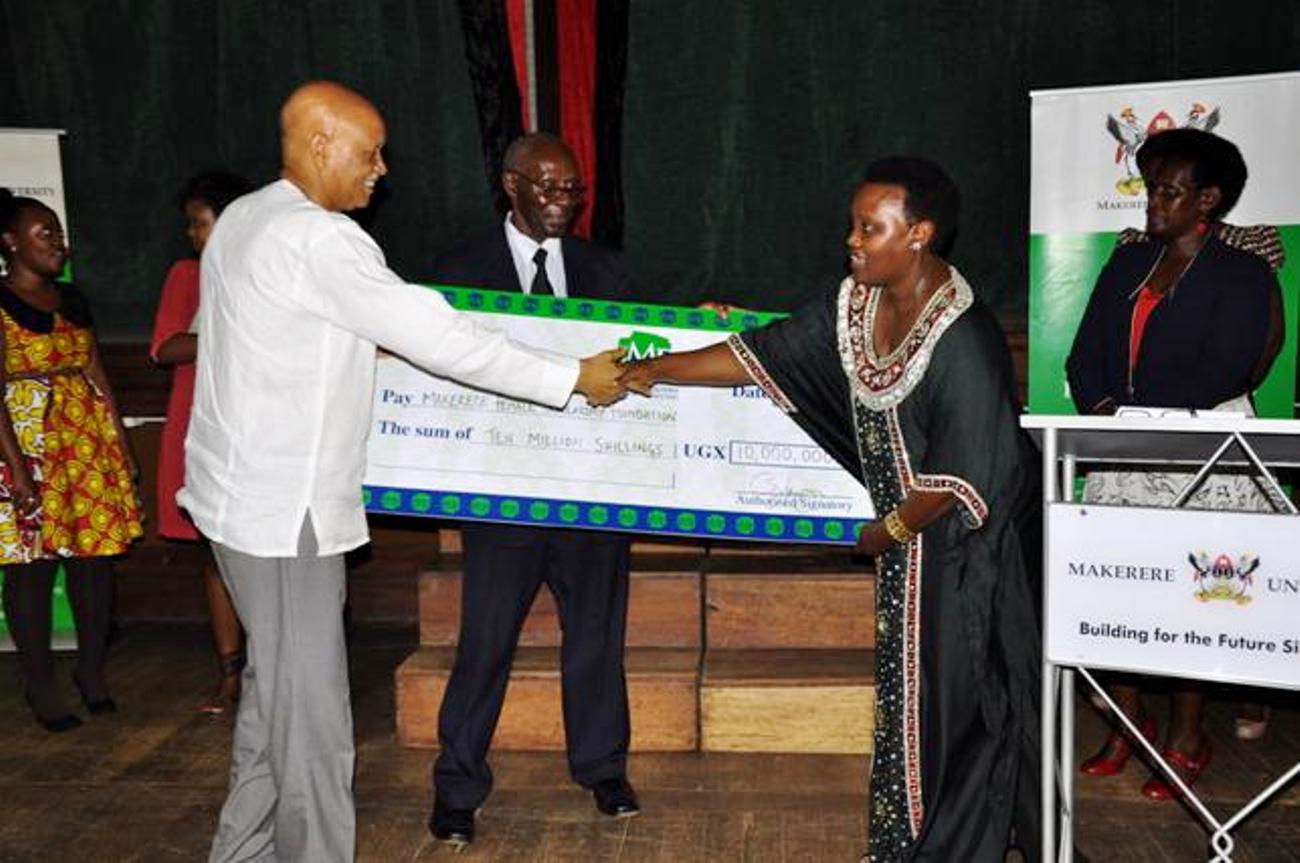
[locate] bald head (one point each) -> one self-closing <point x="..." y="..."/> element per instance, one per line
<point x="331" y="141"/>
<point x="525" y="150"/>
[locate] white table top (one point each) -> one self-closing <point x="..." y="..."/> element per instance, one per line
<point x="1170" y="439"/>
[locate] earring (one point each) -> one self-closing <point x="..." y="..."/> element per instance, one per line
<point x="1202" y="228"/>
<point x="914" y="246"/>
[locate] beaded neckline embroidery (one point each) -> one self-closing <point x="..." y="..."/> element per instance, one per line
<point x="882" y="382"/>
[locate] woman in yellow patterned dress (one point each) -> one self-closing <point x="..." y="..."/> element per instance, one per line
<point x="67" y="489"/>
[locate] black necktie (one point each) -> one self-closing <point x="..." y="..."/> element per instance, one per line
<point x="541" y="285"/>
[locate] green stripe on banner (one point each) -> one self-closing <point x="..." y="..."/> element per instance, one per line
<point x="580" y="309"/>
<point x="1276" y="395"/>
<point x="1062" y="270"/>
<point x="525" y="510"/>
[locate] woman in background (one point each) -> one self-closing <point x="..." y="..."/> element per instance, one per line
<point x="1184" y="320"/>
<point x="67" y="485"/>
<point x="174" y="345"/>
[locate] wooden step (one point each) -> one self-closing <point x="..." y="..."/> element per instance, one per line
<point x="776" y="610"/>
<point x="449" y="539"/>
<point x="787" y="701"/>
<point x="663" y="604"/>
<point x="662" y="696"/>
<point x="724" y="550"/>
<point x="772" y="557"/>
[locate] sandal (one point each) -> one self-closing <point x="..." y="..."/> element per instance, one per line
<point x="1252" y="728"/>
<point x="226" y="698"/>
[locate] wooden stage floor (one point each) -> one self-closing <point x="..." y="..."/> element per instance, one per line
<point x="146" y="784"/>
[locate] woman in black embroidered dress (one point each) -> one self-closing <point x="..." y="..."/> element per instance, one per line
<point x="905" y="379"/>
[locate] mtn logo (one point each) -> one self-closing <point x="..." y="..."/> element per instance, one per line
<point x="644" y="346"/>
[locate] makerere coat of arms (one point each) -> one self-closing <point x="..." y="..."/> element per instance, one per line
<point x="1130" y="132"/>
<point x="1222" y="577"/>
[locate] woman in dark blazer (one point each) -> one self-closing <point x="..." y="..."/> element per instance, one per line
<point x="1183" y="320"/>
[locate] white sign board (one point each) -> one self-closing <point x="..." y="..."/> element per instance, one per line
<point x="1084" y="146"/>
<point x="30" y="167"/>
<point x="1186" y="593"/>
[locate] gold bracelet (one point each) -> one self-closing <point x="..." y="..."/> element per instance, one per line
<point x="898" y="529"/>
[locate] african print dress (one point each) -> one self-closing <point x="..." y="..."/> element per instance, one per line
<point x="956" y="756"/>
<point x="67" y="434"/>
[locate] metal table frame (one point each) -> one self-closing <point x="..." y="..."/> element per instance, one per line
<point x="1161" y="439"/>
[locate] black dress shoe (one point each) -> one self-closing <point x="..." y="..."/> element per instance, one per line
<point x="54" y="724"/>
<point x="451" y="825"/>
<point x="97" y="706"/>
<point x="615" y="797"/>
<point x="59" y="724"/>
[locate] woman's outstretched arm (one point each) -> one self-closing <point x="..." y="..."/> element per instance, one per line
<point x="715" y="365"/>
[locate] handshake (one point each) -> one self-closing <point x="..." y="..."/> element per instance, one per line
<point x="604" y="378"/>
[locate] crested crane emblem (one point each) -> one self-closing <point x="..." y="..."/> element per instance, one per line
<point x="1222" y="577"/>
<point x="1130" y="132"/>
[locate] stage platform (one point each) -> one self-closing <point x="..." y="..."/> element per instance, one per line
<point x="147" y="783"/>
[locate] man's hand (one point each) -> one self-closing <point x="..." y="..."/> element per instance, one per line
<point x="722" y="310"/>
<point x="638" y="377"/>
<point x="598" y="377"/>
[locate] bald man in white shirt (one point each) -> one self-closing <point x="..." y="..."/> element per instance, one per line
<point x="296" y="297"/>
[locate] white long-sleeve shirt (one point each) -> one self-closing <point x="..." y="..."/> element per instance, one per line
<point x="294" y="301"/>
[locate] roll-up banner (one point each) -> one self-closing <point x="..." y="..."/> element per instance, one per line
<point x="1085" y="189"/>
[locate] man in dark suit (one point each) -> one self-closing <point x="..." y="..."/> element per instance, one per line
<point x="505" y="565"/>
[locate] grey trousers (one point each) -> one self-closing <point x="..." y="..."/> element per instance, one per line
<point x="290" y="792"/>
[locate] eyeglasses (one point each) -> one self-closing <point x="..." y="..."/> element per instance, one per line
<point x="553" y="191"/>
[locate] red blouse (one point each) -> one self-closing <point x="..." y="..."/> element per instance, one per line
<point x="1147" y="300"/>
<point x="176" y="309"/>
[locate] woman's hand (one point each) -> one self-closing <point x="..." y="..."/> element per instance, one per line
<point x="1104" y="408"/>
<point x="638" y="377"/>
<point x="26" y="497"/>
<point x="874" y="539"/>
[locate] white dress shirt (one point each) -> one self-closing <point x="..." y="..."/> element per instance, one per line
<point x="294" y="301"/>
<point x="522" y="250"/>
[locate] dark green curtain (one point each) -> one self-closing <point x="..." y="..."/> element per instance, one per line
<point x="152" y="92"/>
<point x="746" y="124"/>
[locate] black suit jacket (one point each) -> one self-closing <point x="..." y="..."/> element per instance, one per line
<point x="1201" y="344"/>
<point x="590" y="271"/>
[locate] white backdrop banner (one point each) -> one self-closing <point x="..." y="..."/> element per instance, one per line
<point x="1082" y="165"/>
<point x="1198" y="594"/>
<point x="30" y="166"/>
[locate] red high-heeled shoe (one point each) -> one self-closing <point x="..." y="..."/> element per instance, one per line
<point x="1116" y="751"/>
<point x="1189" y="768"/>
